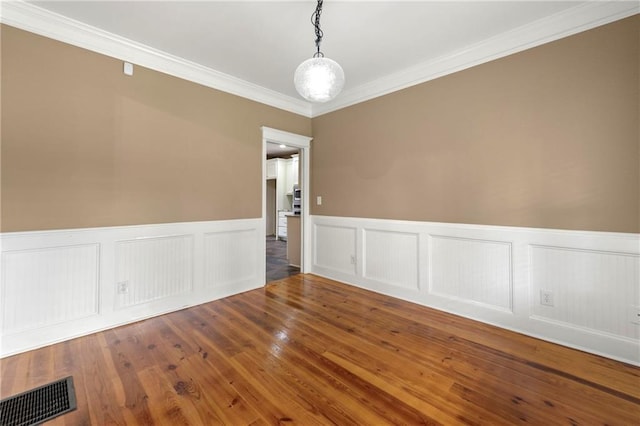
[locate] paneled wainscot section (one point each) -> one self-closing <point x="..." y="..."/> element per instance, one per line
<point x="57" y="285"/>
<point x="577" y="288"/>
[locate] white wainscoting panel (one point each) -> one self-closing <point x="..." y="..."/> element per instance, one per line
<point x="591" y="289"/>
<point x="49" y="286"/>
<point x="57" y="285"/>
<point x="148" y="269"/>
<point x="494" y="274"/>
<point x="391" y="258"/>
<point x="471" y="270"/>
<point x="226" y="257"/>
<point x="338" y="248"/>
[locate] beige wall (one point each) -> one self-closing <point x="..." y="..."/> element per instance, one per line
<point x="545" y="138"/>
<point x="83" y="145"/>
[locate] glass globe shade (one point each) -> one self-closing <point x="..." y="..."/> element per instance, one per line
<point x="319" y="79"/>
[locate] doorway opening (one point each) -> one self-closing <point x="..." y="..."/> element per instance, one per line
<point x="282" y="226"/>
<point x="285" y="205"/>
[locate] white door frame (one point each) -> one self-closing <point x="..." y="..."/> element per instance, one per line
<point x="303" y="143"/>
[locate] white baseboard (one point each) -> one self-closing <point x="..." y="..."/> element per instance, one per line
<point x="57" y="285"/>
<point x="496" y="274"/>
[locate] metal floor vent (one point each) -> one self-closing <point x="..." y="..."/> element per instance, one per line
<point x="38" y="405"/>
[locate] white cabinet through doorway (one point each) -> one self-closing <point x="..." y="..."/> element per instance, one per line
<point x="282" y="225"/>
<point x="285" y="173"/>
<point x="277" y="169"/>
<point x="272" y="168"/>
<point x="292" y="173"/>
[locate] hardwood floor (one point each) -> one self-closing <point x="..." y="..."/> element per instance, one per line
<point x="308" y="351"/>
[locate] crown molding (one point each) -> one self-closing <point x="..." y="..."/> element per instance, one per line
<point x="580" y="18"/>
<point x="40" y="21"/>
<point x="560" y="25"/>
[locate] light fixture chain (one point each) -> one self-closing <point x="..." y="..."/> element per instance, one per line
<point x="315" y="20"/>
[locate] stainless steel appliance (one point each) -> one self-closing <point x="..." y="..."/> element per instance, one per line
<point x="297" y="199"/>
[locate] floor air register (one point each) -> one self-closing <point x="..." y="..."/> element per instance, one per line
<point x="38" y="405"/>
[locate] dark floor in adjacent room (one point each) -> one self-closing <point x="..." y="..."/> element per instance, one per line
<point x="277" y="264"/>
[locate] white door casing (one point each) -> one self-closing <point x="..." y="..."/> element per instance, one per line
<point x="303" y="143"/>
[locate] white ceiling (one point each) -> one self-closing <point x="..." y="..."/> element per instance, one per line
<point x="275" y="150"/>
<point x="262" y="42"/>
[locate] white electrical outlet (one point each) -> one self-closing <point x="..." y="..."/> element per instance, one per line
<point x="546" y="297"/>
<point x="123" y="287"/>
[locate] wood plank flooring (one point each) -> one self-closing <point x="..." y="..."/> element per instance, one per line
<point x="310" y="351"/>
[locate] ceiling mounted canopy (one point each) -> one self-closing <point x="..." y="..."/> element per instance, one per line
<point x="318" y="79"/>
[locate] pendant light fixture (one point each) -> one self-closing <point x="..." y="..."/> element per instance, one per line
<point x="318" y="79"/>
